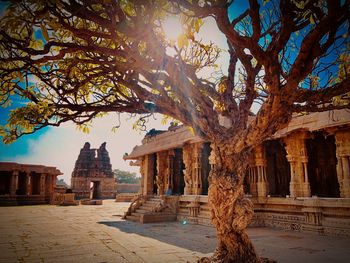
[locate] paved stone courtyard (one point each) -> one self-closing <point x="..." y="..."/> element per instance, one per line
<point x="98" y="234"/>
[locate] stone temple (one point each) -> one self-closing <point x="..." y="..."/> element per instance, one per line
<point x="298" y="180"/>
<point x="92" y="176"/>
<point x="27" y="184"/>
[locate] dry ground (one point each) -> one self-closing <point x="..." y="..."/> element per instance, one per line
<point x="98" y="234"/>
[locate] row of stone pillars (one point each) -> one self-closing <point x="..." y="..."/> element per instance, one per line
<point x="297" y="157"/>
<point x="29" y="183"/>
<point x="192" y="158"/>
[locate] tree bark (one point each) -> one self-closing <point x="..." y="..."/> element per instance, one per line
<point x="231" y="212"/>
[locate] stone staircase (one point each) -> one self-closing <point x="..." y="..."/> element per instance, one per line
<point x="150" y="209"/>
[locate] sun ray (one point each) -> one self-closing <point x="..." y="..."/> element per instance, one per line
<point x="172" y="27"/>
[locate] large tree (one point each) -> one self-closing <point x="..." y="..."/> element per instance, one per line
<point x="125" y="177"/>
<point x="91" y="57"/>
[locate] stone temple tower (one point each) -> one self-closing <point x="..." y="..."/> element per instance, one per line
<point x="92" y="176"/>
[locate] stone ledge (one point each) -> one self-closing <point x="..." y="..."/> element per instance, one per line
<point x="91" y="202"/>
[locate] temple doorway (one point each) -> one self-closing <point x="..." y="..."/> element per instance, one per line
<point x="321" y="166"/>
<point x="178" y="176"/>
<point x="95" y="190"/>
<point x="278" y="168"/>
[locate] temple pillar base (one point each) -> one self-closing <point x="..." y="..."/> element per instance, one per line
<point x="299" y="189"/>
<point x="197" y="191"/>
<point x="306" y="191"/>
<point x="262" y="189"/>
<point x="345" y="189"/>
<point x="187" y="190"/>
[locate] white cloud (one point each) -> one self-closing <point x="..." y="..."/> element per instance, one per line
<point x="60" y="147"/>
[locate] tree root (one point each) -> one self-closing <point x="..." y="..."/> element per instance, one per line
<point x="215" y="260"/>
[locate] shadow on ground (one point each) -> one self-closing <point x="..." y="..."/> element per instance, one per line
<point x="192" y="237"/>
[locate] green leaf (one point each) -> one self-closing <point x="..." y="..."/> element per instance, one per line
<point x="36" y="44"/>
<point x="182" y="41"/>
<point x="20" y="76"/>
<point x="44" y="32"/>
<point x="312" y="21"/>
<point x="114" y="129"/>
<point x="196" y="25"/>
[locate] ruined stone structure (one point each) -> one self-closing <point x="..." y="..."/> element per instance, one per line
<point x="22" y="184"/>
<point x="92" y="176"/>
<point x="299" y="179"/>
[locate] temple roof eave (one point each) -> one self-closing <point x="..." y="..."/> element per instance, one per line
<point x="12" y="166"/>
<point x="176" y="139"/>
<point x="315" y="122"/>
<point x="165" y="141"/>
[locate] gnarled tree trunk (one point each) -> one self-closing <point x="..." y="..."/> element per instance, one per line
<point x="231" y="211"/>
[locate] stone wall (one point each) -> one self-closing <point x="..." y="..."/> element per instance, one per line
<point x="128" y="188"/>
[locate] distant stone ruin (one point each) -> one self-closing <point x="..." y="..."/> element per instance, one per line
<point x="92" y="176"/>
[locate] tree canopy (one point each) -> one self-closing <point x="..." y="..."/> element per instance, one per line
<point x="125" y="177"/>
<point x="74" y="60"/>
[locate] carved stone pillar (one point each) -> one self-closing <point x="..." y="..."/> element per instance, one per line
<point x="14" y="182"/>
<point x="52" y="184"/>
<point x="252" y="179"/>
<point x="162" y="163"/>
<point x="148" y="175"/>
<point x="260" y="168"/>
<point x="42" y="184"/>
<point x="342" y="139"/>
<point x="142" y="173"/>
<point x="197" y="169"/>
<point x="28" y="184"/>
<point x="187" y="153"/>
<point x="297" y="157"/>
<point x="169" y="172"/>
<point x="252" y="176"/>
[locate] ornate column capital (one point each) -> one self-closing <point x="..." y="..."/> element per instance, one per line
<point x="297" y="157"/>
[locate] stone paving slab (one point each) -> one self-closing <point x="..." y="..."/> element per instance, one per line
<point x="98" y="234"/>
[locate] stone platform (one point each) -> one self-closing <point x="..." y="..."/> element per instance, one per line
<point x="46" y="233"/>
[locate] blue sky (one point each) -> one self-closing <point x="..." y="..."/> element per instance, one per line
<point x="60" y="146"/>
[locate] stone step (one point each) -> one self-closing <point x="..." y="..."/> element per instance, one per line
<point x="147" y="208"/>
<point x="137" y="214"/>
<point x="148" y="205"/>
<point x="134" y="218"/>
<point x="153" y="202"/>
<point x="142" y="211"/>
<point x="154" y="199"/>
